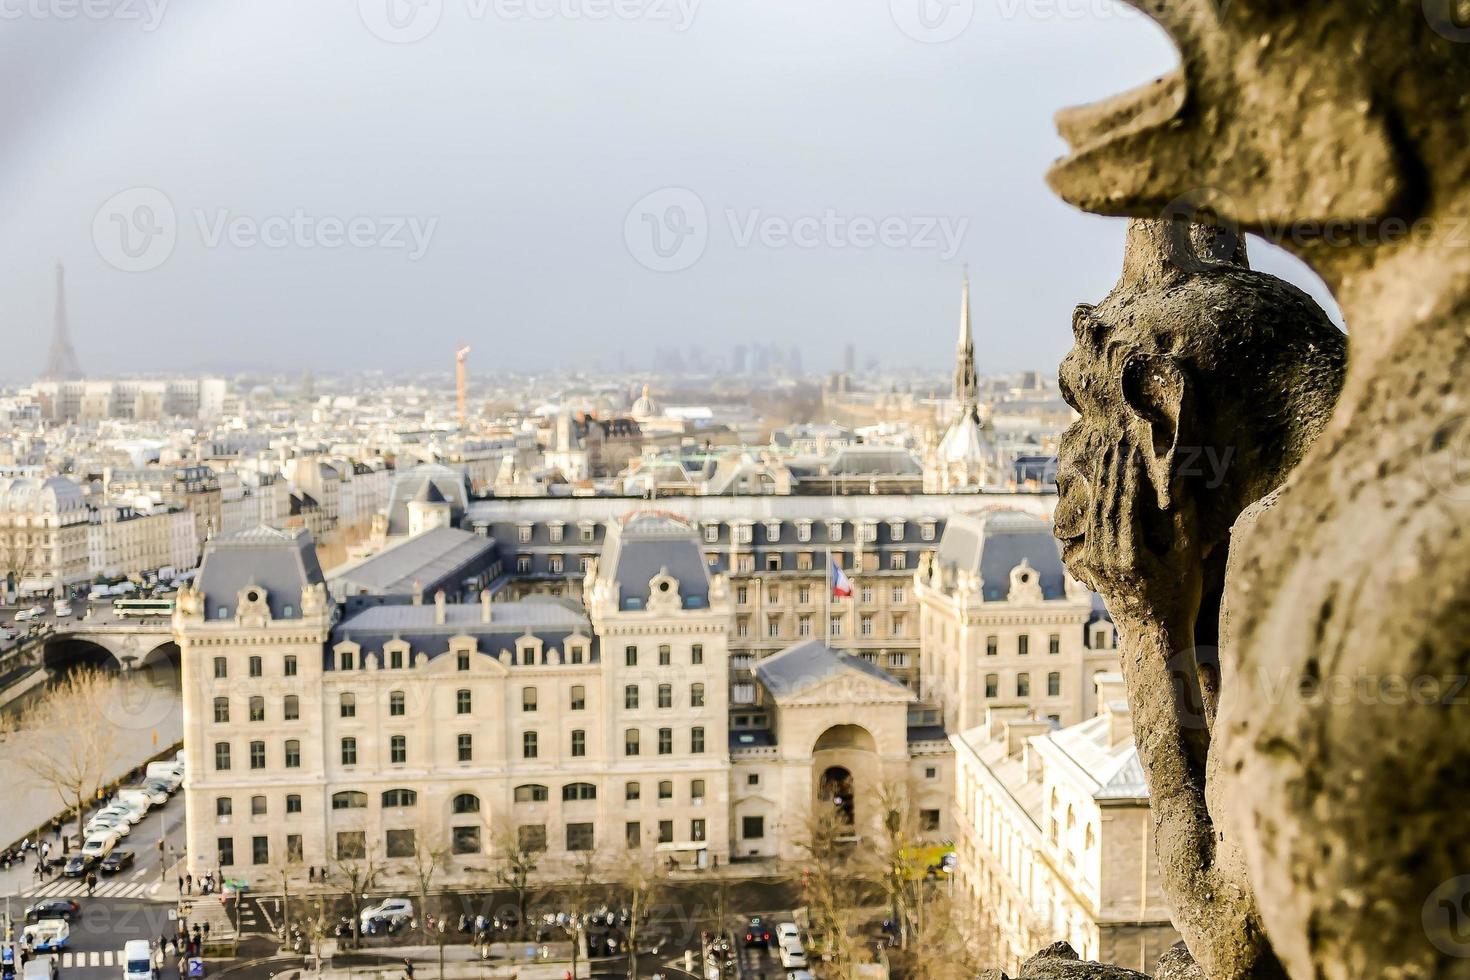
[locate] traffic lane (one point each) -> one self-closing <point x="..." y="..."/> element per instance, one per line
<point x="165" y="823"/>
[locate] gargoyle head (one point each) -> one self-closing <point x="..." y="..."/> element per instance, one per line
<point x="1310" y="113"/>
<point x="1200" y="384"/>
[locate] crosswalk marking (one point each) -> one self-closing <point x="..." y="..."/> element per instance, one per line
<point x="93" y="958"/>
<point x="115" y="888"/>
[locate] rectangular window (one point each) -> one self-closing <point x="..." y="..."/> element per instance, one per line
<point x="531" y="836"/>
<point x="257" y="806"/>
<point x="395" y="660"/>
<point x="257" y="755"/>
<point x="696" y="654"/>
<point x="1053" y="684"/>
<point x="742" y="596"/>
<point x="633" y="834"/>
<point x="898" y="561"/>
<point x="630" y="697"/>
<point x="666" y="789"/>
<point x="398" y="749"/>
<point x="666" y="831"/>
<point x="347" y="706"/>
<point x="463" y="702"/>
<point x="665" y="655"/>
<point x="351" y="845"/>
<point x="630" y="742"/>
<point x="225" y="848"/>
<point x="465" y="747"/>
<point x="349" y="752"/>
<point x="221" y="668"/>
<point x="295" y="853"/>
<point x="465" y="840"/>
<point x="992" y="685"/>
<point x="696" y="790"/>
<point x="528" y="745"/>
<point x="290" y="666"/>
<point x="1023" y="685"/>
<point x="291" y="708"/>
<point x="523" y="564"/>
<point x="579" y="743"/>
<point x="578" y="699"/>
<point x="696" y="828"/>
<point x="344" y="660"/>
<point x="255" y="666"/>
<point x="992" y="646"/>
<point x="1054" y="644"/>
<point x="1023" y="645"/>
<point x="462" y="660"/>
<point x="223" y="807"/>
<point x="665" y="741"/>
<point x="528" y="699"/>
<point x="257" y="709"/>
<point x="696" y="739"/>
<point x="835" y="625"/>
<point x="929" y="821"/>
<point x="866" y="593"/>
<point x="630" y="656"/>
<point x="898" y="624"/>
<point x="666" y="695"/>
<point x="897" y="594"/>
<point x="752" y="828"/>
<point x="221" y="710"/>
<point x="580" y="837"/>
<point x="400" y="843"/>
<point x="293" y="754"/>
<point x="773" y="627"/>
<point x="865" y="625"/>
<point x="293" y="803"/>
<point x="260" y="850"/>
<point x="632" y="790"/>
<point x="803" y="626"/>
<point x="696" y="695"/>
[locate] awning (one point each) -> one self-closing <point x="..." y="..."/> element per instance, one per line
<point x="688" y="845"/>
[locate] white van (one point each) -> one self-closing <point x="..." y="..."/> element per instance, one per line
<point x="137" y="960"/>
<point x="140" y="796"/>
<point x="165" y="771"/>
<point x="100" y="844"/>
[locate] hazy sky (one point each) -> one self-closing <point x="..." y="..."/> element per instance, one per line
<point x="364" y="183"/>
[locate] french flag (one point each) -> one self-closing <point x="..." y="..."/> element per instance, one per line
<point x="841" y="587"/>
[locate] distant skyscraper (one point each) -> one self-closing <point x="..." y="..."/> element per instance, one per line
<point x="61" y="360"/>
<point x="849" y="359"/>
<point x="966" y="386"/>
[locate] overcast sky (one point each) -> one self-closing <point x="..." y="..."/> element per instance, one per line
<point x="345" y="184"/>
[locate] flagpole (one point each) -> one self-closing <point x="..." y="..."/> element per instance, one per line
<point x="827" y="602"/>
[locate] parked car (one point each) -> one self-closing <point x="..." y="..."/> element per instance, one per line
<point x="131" y="813"/>
<point x="798" y="975"/>
<point x="792" y="956"/>
<point x="118" y="860"/>
<point x="48" y="935"/>
<point x="59" y="908"/>
<point x="757" y="933"/>
<point x="100" y="844"/>
<point x="786" y="932"/>
<point x="41" y="968"/>
<point x="112" y="823"/>
<point x="387" y="916"/>
<point x="78" y="865"/>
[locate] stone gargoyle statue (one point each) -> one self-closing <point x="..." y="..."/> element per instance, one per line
<point x="1200" y="384"/>
<point x="1337" y="779"/>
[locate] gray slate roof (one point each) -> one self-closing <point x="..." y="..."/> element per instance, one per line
<point x="447" y="484"/>
<point x="282" y="562"/>
<point x="439" y="558"/>
<point x="797" y="668"/>
<point x="993" y="542"/>
<point x="552" y="620"/>
<point x="646" y="543"/>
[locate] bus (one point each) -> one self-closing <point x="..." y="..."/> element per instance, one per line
<point x="143" y="607"/>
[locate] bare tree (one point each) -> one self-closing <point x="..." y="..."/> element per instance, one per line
<point x="642" y="880"/>
<point x="894" y="861"/>
<point x="834" y="886"/>
<point x="67" y="747"/>
<point x="519" y="857"/>
<point x="359" y="868"/>
<point x="430" y="853"/>
<point x="581" y="890"/>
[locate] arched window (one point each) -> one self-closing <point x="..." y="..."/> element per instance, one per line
<point x="395" y="703"/>
<point x="466" y="803"/>
<point x="531" y="793"/>
<point x="399" y="798"/>
<point x="578" y="791"/>
<point x="349" y="799"/>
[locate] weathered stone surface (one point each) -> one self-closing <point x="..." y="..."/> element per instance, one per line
<point x="1059" y="962"/>
<point x="1342" y="770"/>
<point x="1177" y="964"/>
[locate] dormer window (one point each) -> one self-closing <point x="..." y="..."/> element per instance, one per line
<point x="712" y="532"/>
<point x="773" y="531"/>
<point x="834" y="530"/>
<point x="555" y="529"/>
<point x="895" y="530"/>
<point x="803" y="530"/>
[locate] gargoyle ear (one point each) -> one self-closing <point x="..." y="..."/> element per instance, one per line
<point x="1155" y="391"/>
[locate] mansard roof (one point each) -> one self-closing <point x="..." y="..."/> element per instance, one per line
<point x="807" y="665"/>
<point x="282" y="562"/>
<point x="551" y="620"/>
<point x="648" y="543"/>
<point x="993" y="542"/>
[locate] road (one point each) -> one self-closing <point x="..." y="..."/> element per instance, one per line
<point x="134" y="904"/>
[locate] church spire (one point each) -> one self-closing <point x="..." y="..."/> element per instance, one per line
<point x="966" y="387"/>
<point x="61" y="360"/>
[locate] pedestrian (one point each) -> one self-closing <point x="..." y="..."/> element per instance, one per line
<point x="91" y="883"/>
<point x="189" y="883"/>
<point x="206" y="932"/>
<point x="311" y="872"/>
<point x="181" y="884"/>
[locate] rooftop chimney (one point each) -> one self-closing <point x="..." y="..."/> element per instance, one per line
<point x="484" y="605"/>
<point x="439" y="608"/>
<point x="996" y="715"/>
<point x="1017" y="732"/>
<point x="418" y="593"/>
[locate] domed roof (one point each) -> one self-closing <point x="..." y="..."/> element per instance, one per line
<point x="645" y="407"/>
<point x="53" y="495"/>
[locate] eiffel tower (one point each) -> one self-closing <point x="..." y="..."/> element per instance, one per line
<point x="61" y="361"/>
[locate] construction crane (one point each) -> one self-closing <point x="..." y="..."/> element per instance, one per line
<point x="460" y="356"/>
